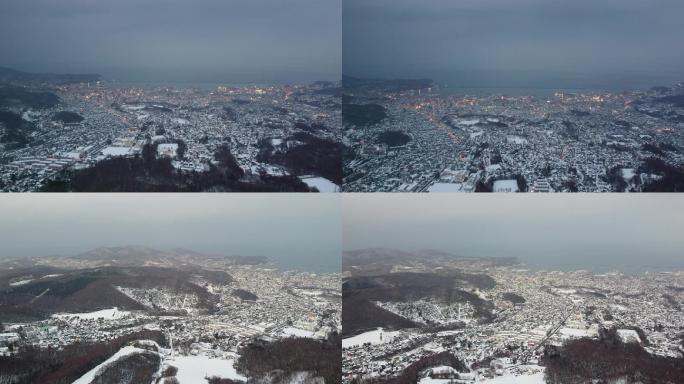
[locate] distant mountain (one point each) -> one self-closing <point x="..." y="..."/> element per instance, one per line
<point x="350" y="83"/>
<point x="10" y="75"/>
<point x="136" y="255"/>
<point x="378" y="261"/>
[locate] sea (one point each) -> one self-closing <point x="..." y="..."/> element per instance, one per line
<point x="622" y="266"/>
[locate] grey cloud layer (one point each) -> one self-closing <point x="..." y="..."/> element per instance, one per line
<point x="295" y="229"/>
<point x="587" y="230"/>
<point x="536" y="40"/>
<point x="198" y="40"/>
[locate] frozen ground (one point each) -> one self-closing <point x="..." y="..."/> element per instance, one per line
<point x="446" y="187"/>
<point x="505" y="186"/>
<point x="322" y="184"/>
<point x="537" y="378"/>
<point x="107" y="314"/>
<point x="378" y="336"/>
<point x="194" y="369"/>
<point x="292" y="331"/>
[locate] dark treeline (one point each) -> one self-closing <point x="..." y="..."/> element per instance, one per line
<point x="146" y="173"/>
<point x="607" y="360"/>
<point x="513" y="298"/>
<point x="672" y="176"/>
<point x="50" y="366"/>
<point x="67" y="117"/>
<point x="16" y="130"/>
<point x="364" y="315"/>
<point x="244" y="294"/>
<point x="287" y="356"/>
<point x="94" y="289"/>
<point x="360" y="293"/>
<point x="394" y="138"/>
<point x="19" y="96"/>
<point x="362" y="115"/>
<point x="315" y="156"/>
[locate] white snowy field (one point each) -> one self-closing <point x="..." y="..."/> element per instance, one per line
<point x="568" y="332"/>
<point x="536" y="378"/>
<point x="322" y="184"/>
<point x="627" y="174"/>
<point x="292" y="331"/>
<point x="505" y="186"/>
<point x="107" y="314"/>
<point x="379" y="336"/>
<point x="90" y="375"/>
<point x="194" y="369"/>
<point x="446" y="187"/>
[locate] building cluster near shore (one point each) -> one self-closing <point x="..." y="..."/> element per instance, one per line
<point x="568" y="141"/>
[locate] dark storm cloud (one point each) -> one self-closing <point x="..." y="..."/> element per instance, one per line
<point x="513" y="43"/>
<point x="189" y="40"/>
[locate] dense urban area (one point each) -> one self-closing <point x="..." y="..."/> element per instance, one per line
<point x="134" y="315"/>
<point x="82" y="133"/>
<point x="434" y="318"/>
<point x="412" y="136"/>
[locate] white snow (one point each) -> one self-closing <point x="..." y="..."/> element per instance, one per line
<point x="568" y="332"/>
<point x="446" y="187"/>
<point x="20" y="282"/>
<point x="276" y="142"/>
<point x="628" y="336"/>
<point x="379" y="336"/>
<point x="468" y="122"/>
<point x="117" y="151"/>
<point x="536" y="378"/>
<point x="90" y="375"/>
<point x="505" y="186"/>
<point x="167" y="149"/>
<point x="322" y="184"/>
<point x="51" y="275"/>
<point x="107" y="314"/>
<point x="292" y="331"/>
<point x="194" y="369"/>
<point x="134" y="107"/>
<point x="627" y="174"/>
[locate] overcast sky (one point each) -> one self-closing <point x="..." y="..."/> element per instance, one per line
<point x="294" y="230"/>
<point x="521" y="43"/>
<point x="175" y="40"/>
<point x="585" y="231"/>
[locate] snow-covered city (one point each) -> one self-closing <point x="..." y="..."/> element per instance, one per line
<point x="454" y="321"/>
<point x="56" y="136"/>
<point x="190" y="319"/>
<point x="429" y="139"/>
